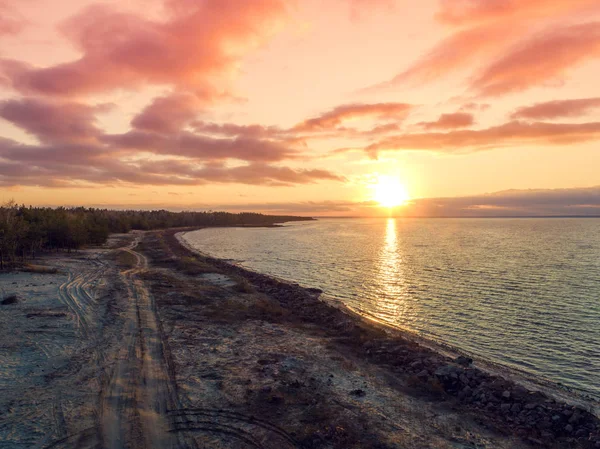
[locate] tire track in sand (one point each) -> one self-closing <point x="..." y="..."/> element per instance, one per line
<point x="140" y="391"/>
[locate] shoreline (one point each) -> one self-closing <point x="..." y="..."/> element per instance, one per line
<point x="564" y="400"/>
<point x="516" y="375"/>
<point x="150" y="344"/>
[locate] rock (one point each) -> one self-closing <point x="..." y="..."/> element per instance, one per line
<point x="506" y="394"/>
<point x="10" y="300"/>
<point x="416" y="364"/>
<point x="556" y="418"/>
<point x="530" y="406"/>
<point x="575" y="418"/>
<point x="358" y="393"/>
<point x="423" y="375"/>
<point x="505" y="407"/>
<point x="516" y="408"/>
<point x="448" y="372"/>
<point x="463" y="361"/>
<point x="569" y="428"/>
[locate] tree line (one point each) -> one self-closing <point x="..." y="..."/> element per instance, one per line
<point x="26" y="231"/>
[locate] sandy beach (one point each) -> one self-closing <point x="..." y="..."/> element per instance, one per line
<point x="143" y="343"/>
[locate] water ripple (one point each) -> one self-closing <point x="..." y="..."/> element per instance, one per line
<point x="524" y="293"/>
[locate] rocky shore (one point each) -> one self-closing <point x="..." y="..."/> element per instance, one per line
<point x="490" y="400"/>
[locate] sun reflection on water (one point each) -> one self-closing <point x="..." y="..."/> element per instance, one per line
<point x="391" y="280"/>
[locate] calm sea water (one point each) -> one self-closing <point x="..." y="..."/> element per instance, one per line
<point x="524" y="293"/>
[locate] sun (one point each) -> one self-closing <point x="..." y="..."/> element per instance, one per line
<point x="390" y="192"/>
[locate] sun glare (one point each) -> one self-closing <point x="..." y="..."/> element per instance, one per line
<point x="390" y="192"/>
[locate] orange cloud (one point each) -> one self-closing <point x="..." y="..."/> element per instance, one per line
<point x="198" y="46"/>
<point x="448" y="121"/>
<point x="461" y="12"/>
<point x="509" y="134"/>
<point x="453" y="53"/>
<point x="556" y="109"/>
<point x="10" y="22"/>
<point x="543" y="58"/>
<point x="485" y="30"/>
<point x="336" y="117"/>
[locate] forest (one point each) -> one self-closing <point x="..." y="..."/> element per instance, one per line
<point x="27" y="231"/>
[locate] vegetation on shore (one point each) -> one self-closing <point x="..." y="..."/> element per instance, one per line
<point x="26" y="231"/>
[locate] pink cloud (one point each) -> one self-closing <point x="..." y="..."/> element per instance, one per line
<point x="509" y="134"/>
<point x="201" y="43"/>
<point x="452" y="54"/>
<point x="10" y="21"/>
<point x="70" y="165"/>
<point x="336" y="117"/>
<point x="556" y="109"/>
<point x="484" y="30"/>
<point x="448" y="121"/>
<point x="543" y="58"/>
<point x="233" y="130"/>
<point x="202" y="147"/>
<point x="52" y="121"/>
<point x="461" y="12"/>
<point x="168" y="114"/>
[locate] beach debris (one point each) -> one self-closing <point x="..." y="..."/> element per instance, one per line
<point x="358" y="393"/>
<point x="463" y="361"/>
<point x="10" y="299"/>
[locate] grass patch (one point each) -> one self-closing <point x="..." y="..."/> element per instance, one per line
<point x="192" y="266"/>
<point x="268" y="307"/>
<point x="243" y="285"/>
<point x="39" y="269"/>
<point x="126" y="260"/>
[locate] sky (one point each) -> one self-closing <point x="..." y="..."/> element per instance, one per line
<point x="474" y="107"/>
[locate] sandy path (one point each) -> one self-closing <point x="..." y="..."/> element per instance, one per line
<point x="140" y="392"/>
<point x="82" y="361"/>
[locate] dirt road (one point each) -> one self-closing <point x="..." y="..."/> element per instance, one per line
<point x="140" y="390"/>
<point x="90" y="332"/>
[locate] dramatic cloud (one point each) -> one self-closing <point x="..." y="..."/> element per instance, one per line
<point x="336" y="117"/>
<point x="557" y="109"/>
<point x="201" y="147"/>
<point x="461" y="12"/>
<point x="509" y="134"/>
<point x="68" y="166"/>
<point x="169" y="114"/>
<point x="233" y="130"/>
<point x="557" y="202"/>
<point x="202" y="42"/>
<point x="52" y="121"/>
<point x="545" y="57"/>
<point x="449" y="121"/>
<point x="485" y="30"/>
<point x="452" y="53"/>
<point x="10" y="22"/>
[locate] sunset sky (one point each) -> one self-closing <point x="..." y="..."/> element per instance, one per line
<point x="475" y="107"/>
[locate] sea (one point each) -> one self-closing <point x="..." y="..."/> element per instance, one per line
<point x="519" y="293"/>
